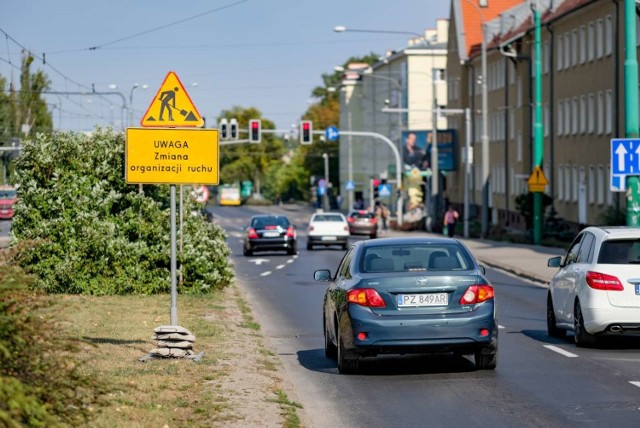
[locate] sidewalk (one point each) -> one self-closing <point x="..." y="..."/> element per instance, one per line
<point x="526" y="261"/>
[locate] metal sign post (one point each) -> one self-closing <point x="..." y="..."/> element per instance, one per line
<point x="174" y="287"/>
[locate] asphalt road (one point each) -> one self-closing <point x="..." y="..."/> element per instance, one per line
<point x="539" y="382"/>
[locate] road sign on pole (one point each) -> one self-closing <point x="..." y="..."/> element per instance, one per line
<point x="172" y="106"/>
<point x="332" y="133"/>
<point x="625" y="160"/>
<point x="537" y="181"/>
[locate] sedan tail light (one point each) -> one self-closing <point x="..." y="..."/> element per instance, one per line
<point x="310" y="228"/>
<point x="602" y="281"/>
<point x="477" y="294"/>
<point x="365" y="297"/>
<point x="346" y="228"/>
<point x="252" y="234"/>
<point x="291" y="232"/>
<point x="374" y="220"/>
<point x="351" y="219"/>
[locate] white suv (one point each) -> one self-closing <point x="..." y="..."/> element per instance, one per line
<point x="328" y="229"/>
<point x="596" y="291"/>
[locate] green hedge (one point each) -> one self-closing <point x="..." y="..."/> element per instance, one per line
<point x="90" y="232"/>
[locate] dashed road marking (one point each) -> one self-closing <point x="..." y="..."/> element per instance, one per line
<point x="501" y="327"/>
<point x="561" y="351"/>
<point x="290" y="261"/>
<point x="295" y="257"/>
<point x="280" y="266"/>
<point x="635" y="383"/>
<point x="265" y="273"/>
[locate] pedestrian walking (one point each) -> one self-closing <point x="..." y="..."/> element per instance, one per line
<point x="450" y="220"/>
<point x="384" y="214"/>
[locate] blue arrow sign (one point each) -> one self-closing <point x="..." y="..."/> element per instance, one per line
<point x="331" y="133"/>
<point x="349" y="185"/>
<point x="625" y="160"/>
<point x="384" y="190"/>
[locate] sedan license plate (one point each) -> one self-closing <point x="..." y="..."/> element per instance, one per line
<point x="329" y="238"/>
<point x="271" y="234"/>
<point x="4" y="211"/>
<point x="429" y="299"/>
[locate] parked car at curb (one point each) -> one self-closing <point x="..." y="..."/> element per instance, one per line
<point x="270" y="233"/>
<point x="408" y="295"/>
<point x="596" y="291"/>
<point x="8" y="198"/>
<point x="328" y="229"/>
<point x="363" y="222"/>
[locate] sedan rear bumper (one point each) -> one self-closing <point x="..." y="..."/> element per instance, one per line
<point x="600" y="320"/>
<point x="271" y="244"/>
<point x="322" y="240"/>
<point x="458" y="333"/>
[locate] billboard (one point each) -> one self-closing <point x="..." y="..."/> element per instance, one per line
<point x="416" y="149"/>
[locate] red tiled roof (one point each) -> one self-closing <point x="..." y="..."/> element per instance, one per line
<point x="472" y="19"/>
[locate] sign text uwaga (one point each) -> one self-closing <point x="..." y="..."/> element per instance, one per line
<point x="178" y="156"/>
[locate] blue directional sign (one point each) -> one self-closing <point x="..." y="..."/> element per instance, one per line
<point x="384" y="190"/>
<point x="625" y="160"/>
<point x="331" y="133"/>
<point x="349" y="185"/>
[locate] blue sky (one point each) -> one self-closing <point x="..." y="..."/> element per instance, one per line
<point x="267" y="54"/>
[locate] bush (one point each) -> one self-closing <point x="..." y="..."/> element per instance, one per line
<point x="93" y="233"/>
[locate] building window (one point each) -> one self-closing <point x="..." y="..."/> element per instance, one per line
<point x="567" y="116"/>
<point x="545" y="57"/>
<point x="583" y="44"/>
<point x="574" y="116"/>
<point x="574" y="184"/>
<point x="608" y="35"/>
<point x="519" y="147"/>
<point x="560" y="52"/>
<point x="583" y="114"/>
<point x="512" y="124"/>
<point x="609" y="112"/>
<point x="592" y="183"/>
<point x="545" y="122"/>
<point x="560" y="182"/>
<point x="519" y="92"/>
<point x="574" y="47"/>
<point x="601" y="184"/>
<point x="560" y="117"/>
<point x="567" y="183"/>
<point x="600" y="113"/>
<point x="591" y="114"/>
<point x="591" y="41"/>
<point x="599" y="38"/>
<point x="567" y="50"/>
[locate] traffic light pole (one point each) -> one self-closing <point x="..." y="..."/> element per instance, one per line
<point x="538" y="145"/>
<point x="631" y="106"/>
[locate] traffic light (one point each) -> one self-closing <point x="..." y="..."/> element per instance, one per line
<point x="376" y="184"/>
<point x="224" y="129"/>
<point x="233" y="129"/>
<point x="306" y="132"/>
<point x="255" y="131"/>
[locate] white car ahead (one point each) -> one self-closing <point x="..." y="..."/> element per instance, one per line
<point x="596" y="291"/>
<point x="328" y="229"/>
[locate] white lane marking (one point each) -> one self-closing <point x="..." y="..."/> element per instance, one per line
<point x="290" y="261"/>
<point x="295" y="257"/>
<point x="635" y="383"/>
<point x="265" y="273"/>
<point x="561" y="351"/>
<point x="258" y="262"/>
<point x="236" y="234"/>
<point x="280" y="266"/>
<point x="501" y="326"/>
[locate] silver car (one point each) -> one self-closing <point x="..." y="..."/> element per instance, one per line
<point x="596" y="291"/>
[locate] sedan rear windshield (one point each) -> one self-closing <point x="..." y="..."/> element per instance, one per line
<point x="362" y="214"/>
<point x="620" y="252"/>
<point x="327" y="217"/>
<point x="262" y="222"/>
<point x="417" y="257"/>
<point x="7" y="194"/>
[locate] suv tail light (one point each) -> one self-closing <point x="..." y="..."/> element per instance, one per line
<point x="477" y="294"/>
<point x="351" y="219"/>
<point x="252" y="233"/>
<point x="374" y="220"/>
<point x="365" y="297"/>
<point x="346" y="228"/>
<point x="291" y="233"/>
<point x="602" y="281"/>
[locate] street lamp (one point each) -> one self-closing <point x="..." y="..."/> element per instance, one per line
<point x="135" y="86"/>
<point x="325" y="197"/>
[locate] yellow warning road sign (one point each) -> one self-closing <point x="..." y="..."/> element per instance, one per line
<point x="537" y="181"/>
<point x="172" y="106"/>
<point x="171" y="156"/>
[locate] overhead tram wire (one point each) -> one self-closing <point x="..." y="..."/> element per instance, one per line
<point x="161" y="27"/>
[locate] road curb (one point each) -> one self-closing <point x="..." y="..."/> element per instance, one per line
<point x="526" y="275"/>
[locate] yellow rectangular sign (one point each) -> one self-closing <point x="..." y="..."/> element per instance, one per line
<point x="171" y="156"/>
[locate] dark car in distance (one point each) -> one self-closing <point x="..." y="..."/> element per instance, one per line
<point x="363" y="222"/>
<point x="408" y="296"/>
<point x="270" y="233"/>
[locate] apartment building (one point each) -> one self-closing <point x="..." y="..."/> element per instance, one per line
<point x="582" y="102"/>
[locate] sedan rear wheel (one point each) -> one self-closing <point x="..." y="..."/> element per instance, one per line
<point x="309" y="246"/>
<point x="552" y="329"/>
<point x="345" y="365"/>
<point x="330" y="349"/>
<point x="247" y="252"/>
<point x="486" y="361"/>
<point x="583" y="338"/>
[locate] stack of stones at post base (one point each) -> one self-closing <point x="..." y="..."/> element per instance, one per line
<point x="173" y="342"/>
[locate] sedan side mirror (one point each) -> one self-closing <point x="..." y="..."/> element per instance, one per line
<point x="322" y="275"/>
<point x="555" y="262"/>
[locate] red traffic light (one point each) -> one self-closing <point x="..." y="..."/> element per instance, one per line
<point x="306" y="132"/>
<point x="255" y="131"/>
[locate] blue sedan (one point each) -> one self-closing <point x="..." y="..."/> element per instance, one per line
<point x="408" y="296"/>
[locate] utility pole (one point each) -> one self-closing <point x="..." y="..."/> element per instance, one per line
<point x="435" y="177"/>
<point x="631" y="106"/>
<point x="485" y="137"/>
<point x="538" y="147"/>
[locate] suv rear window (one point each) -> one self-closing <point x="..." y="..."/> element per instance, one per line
<point x="620" y="252"/>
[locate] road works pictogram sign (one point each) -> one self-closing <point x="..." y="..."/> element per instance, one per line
<point x="172" y="106"/>
<point x="171" y="156"/>
<point x="537" y="181"/>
